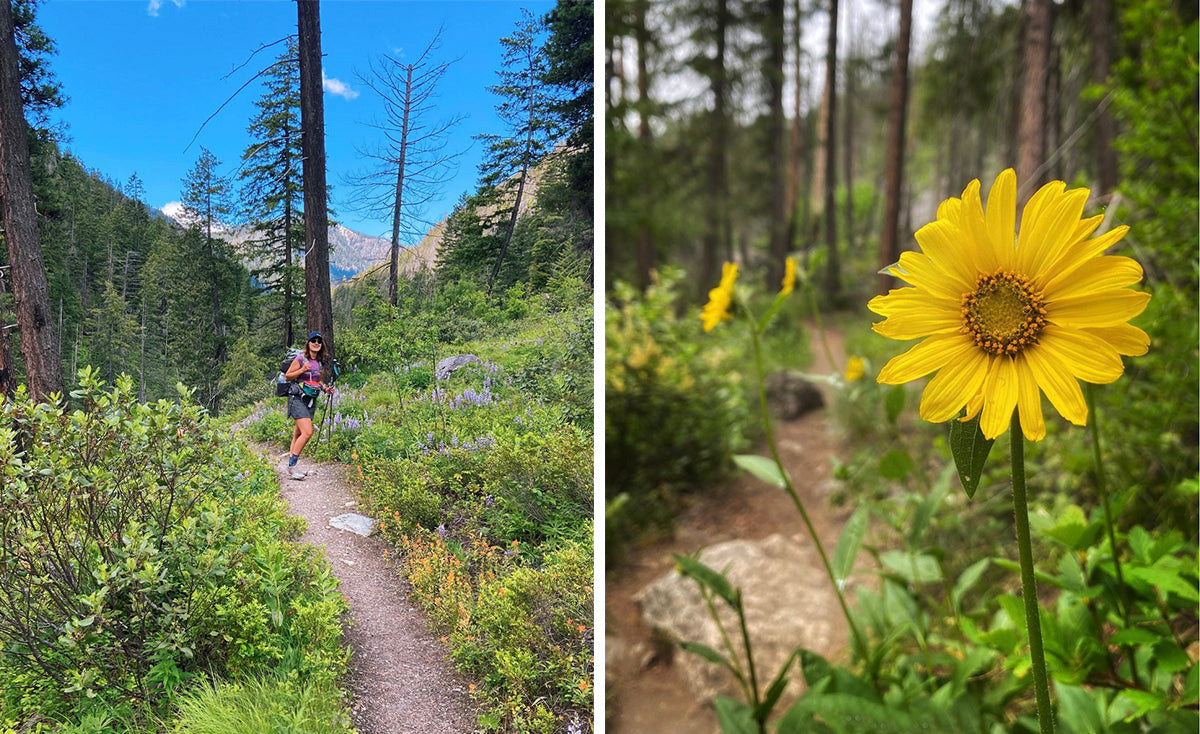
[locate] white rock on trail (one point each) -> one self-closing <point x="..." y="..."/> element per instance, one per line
<point x="355" y="523"/>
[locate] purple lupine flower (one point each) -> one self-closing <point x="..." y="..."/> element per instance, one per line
<point x="454" y="440"/>
<point x="441" y="531"/>
<point x="489" y="501"/>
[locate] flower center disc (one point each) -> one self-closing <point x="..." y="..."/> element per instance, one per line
<point x="1004" y="313"/>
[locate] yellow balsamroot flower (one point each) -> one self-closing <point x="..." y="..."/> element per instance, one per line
<point x="720" y="298"/>
<point x="1004" y="316"/>
<point x="854" y="369"/>
<point x="789" y="276"/>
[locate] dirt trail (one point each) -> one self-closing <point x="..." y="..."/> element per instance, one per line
<point x="646" y="692"/>
<point x="400" y="679"/>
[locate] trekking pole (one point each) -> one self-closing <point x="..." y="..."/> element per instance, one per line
<point x="322" y="433"/>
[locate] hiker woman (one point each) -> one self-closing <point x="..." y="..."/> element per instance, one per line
<point x="306" y="371"/>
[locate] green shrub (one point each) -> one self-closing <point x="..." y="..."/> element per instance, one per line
<point x="262" y="705"/>
<point x="674" y="410"/>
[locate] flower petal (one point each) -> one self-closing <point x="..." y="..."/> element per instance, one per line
<point x="1085" y="355"/>
<point x="1102" y="273"/>
<point x="1029" y="402"/>
<point x="912" y="302"/>
<point x="950" y="209"/>
<point x="931" y="354"/>
<point x="1054" y="230"/>
<point x="1107" y="308"/>
<point x="1127" y="339"/>
<point x="974" y="226"/>
<point x="1078" y="254"/>
<point x="1044" y="197"/>
<point x="953" y="386"/>
<point x="917" y="269"/>
<point x="1000" y="397"/>
<point x="918" y="324"/>
<point x="1057" y="382"/>
<point x="946" y="245"/>
<point x="1002" y="216"/>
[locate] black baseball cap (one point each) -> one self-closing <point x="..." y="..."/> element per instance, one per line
<point x="315" y="335"/>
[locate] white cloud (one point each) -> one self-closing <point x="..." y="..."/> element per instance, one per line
<point x="152" y="9"/>
<point x="336" y="86"/>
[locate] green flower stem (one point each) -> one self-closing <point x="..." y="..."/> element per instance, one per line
<point x="1028" y="582"/>
<point x="1102" y="485"/>
<point x="812" y="301"/>
<point x="859" y="640"/>
<point x="750" y="663"/>
<point x="734" y="662"/>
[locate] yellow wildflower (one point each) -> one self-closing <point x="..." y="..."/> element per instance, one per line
<point x="789" y="276"/>
<point x="854" y="369"/>
<point x="720" y="298"/>
<point x="1004" y="316"/>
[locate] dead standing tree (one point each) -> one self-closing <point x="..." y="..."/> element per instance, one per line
<point x="412" y="165"/>
<point x="31" y="296"/>
<point x="318" y="298"/>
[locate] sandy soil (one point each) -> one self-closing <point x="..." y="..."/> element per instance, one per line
<point x="400" y="679"/>
<point x="646" y="692"/>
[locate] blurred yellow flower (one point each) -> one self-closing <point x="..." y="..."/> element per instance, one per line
<point x="789" y="276"/>
<point x="1007" y="315"/>
<point x="720" y="298"/>
<point x="854" y="369"/>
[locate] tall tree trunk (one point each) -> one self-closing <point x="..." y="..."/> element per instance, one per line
<point x="31" y="295"/>
<point x="317" y="295"/>
<point x="773" y="71"/>
<point x="795" y="140"/>
<point x="715" y="213"/>
<point x="397" y="206"/>
<point x="1100" y="22"/>
<point x="833" y="284"/>
<point x="848" y="150"/>
<point x="1031" y="133"/>
<point x="645" y="243"/>
<point x="889" y="250"/>
<point x="288" y="280"/>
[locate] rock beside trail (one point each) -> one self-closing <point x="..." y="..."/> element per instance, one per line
<point x="791" y="396"/>
<point x="785" y="596"/>
<point x="355" y="523"/>
<point x="450" y="365"/>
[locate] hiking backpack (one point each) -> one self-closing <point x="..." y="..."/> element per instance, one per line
<point x="283" y="386"/>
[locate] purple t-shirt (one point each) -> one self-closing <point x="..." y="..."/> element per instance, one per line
<point x="312" y="371"/>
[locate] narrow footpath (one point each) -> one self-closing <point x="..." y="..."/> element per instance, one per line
<point x="400" y="679"/>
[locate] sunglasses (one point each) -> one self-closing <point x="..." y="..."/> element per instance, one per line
<point x="315" y="341"/>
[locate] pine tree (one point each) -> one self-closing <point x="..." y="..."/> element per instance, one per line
<point x="524" y="108"/>
<point x="273" y="189"/>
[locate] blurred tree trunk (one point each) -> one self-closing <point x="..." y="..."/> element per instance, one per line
<point x="642" y="39"/>
<point x="1031" y="132"/>
<point x="796" y="145"/>
<point x="847" y="145"/>
<point x="31" y="295"/>
<point x="833" y="285"/>
<point x="889" y="250"/>
<point x="317" y="295"/>
<point x="1100" y="25"/>
<point x="716" y="233"/>
<point x="773" y="72"/>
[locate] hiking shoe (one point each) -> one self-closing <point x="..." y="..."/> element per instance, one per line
<point x="297" y="475"/>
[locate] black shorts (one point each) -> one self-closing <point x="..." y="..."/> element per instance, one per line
<point x="301" y="406"/>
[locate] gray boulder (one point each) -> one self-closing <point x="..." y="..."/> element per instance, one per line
<point x="791" y="396"/>
<point x="788" y="603"/>
<point x="355" y="523"/>
<point x="450" y="365"/>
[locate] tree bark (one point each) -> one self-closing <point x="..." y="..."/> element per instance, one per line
<point x="715" y="234"/>
<point x="31" y="296"/>
<point x="397" y="206"/>
<point x="642" y="40"/>
<point x="773" y="71"/>
<point x="889" y="250"/>
<point x="1100" y="22"/>
<point x="795" y="132"/>
<point x="833" y="284"/>
<point x="317" y="296"/>
<point x="1031" y="132"/>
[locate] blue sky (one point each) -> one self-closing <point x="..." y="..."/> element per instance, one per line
<point x="142" y="76"/>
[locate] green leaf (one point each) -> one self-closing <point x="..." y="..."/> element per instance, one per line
<point x="970" y="451"/>
<point x="734" y="717"/>
<point x="814" y="667"/>
<point x="967" y="579"/>
<point x="1134" y="636"/>
<point x="849" y="543"/>
<point x="761" y="467"/>
<point x="895" y="464"/>
<point x="1165" y="580"/>
<point x="1170" y="657"/>
<point x="708" y="654"/>
<point x="1078" y="712"/>
<point x="929" y="505"/>
<point x="772" y="695"/>
<point x="917" y="568"/>
<point x="1143" y="702"/>
<point x="895" y="402"/>
<point x="1140" y="542"/>
<point x="1191" y="685"/>
<point x="709" y="578"/>
<point x="1073" y="530"/>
